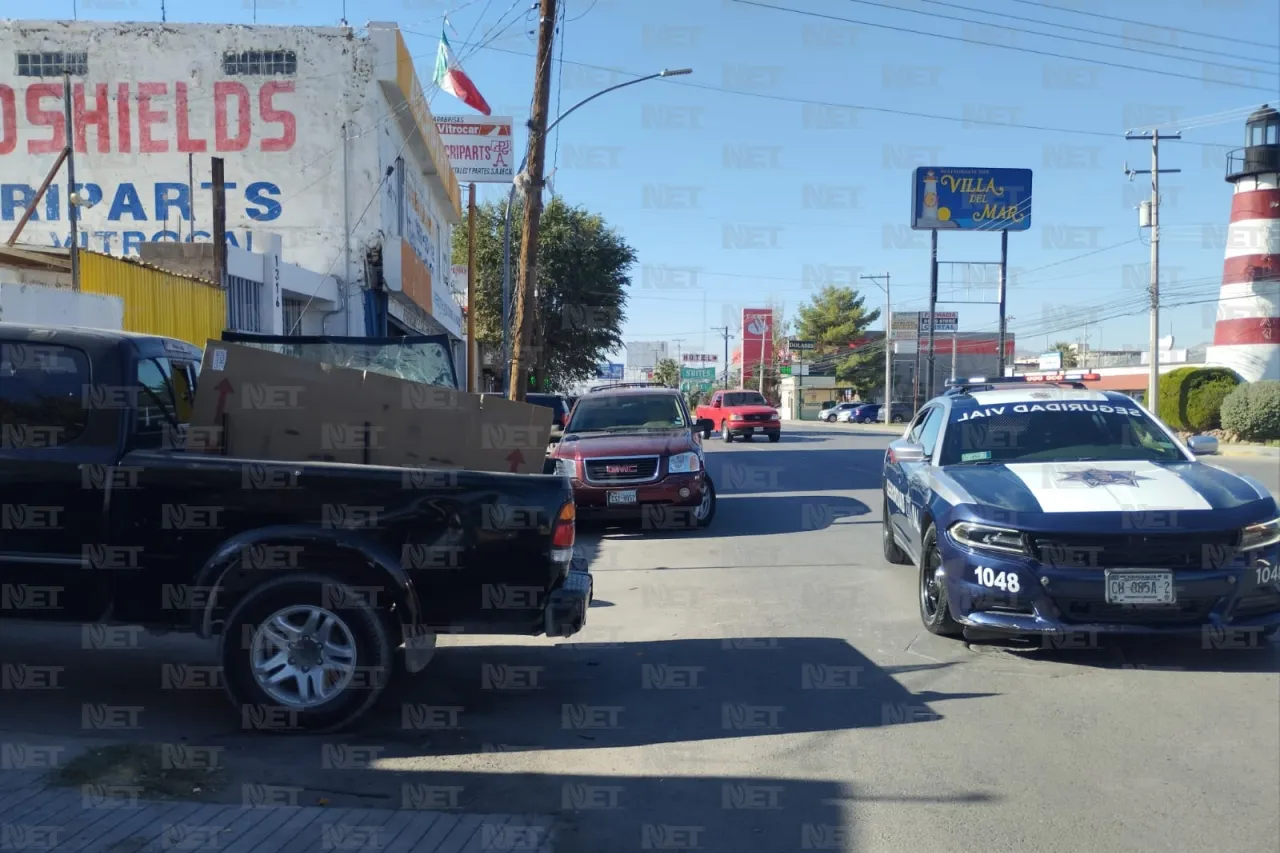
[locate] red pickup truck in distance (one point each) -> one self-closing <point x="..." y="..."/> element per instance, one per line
<point x="741" y="414"/>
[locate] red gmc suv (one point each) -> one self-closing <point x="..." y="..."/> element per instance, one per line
<point x="633" y="451"/>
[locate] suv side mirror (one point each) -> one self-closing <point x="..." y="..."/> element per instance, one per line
<point x="905" y="450"/>
<point x="715" y="404"/>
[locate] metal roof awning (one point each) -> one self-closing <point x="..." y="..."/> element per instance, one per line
<point x="53" y="260"/>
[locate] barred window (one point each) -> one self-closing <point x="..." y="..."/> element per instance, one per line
<point x="53" y="63"/>
<point x="259" y="63"/>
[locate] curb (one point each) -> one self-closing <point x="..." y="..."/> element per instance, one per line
<point x="1256" y="451"/>
<point x="856" y="429"/>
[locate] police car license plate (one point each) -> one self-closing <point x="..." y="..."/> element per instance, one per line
<point x="1140" y="588"/>
<point x="627" y="497"/>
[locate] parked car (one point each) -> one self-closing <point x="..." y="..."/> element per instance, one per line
<point x="559" y="406"/>
<point x="1044" y="509"/>
<point x="831" y="413"/>
<point x="899" y="413"/>
<point x="867" y="413"/>
<point x="741" y="414"/>
<point x="635" y="452"/>
<point x="310" y="574"/>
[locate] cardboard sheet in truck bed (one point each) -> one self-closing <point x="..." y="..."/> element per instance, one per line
<point x="285" y="409"/>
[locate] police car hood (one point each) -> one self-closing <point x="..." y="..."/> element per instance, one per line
<point x="1102" y="496"/>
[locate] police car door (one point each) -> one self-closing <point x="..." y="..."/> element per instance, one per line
<point x="897" y="477"/>
<point x="924" y="432"/>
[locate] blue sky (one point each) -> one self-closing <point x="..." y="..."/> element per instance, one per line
<point x="799" y="95"/>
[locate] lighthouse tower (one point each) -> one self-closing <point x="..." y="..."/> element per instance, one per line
<point x="1247" y="335"/>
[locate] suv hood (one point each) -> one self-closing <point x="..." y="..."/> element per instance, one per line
<point x="1108" y="495"/>
<point x="597" y="445"/>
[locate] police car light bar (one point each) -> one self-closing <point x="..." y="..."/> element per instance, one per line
<point x="1073" y="376"/>
<point x="1073" y="379"/>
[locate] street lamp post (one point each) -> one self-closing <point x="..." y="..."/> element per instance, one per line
<point x="511" y="197"/>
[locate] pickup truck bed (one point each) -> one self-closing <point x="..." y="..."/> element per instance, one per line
<point x="310" y="574"/>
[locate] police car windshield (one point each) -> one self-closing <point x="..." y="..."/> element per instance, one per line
<point x="1053" y="432"/>
<point x="608" y="412"/>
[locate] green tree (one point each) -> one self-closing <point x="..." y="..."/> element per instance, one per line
<point x="584" y="268"/>
<point x="667" y="372"/>
<point x="1070" y="361"/>
<point x="832" y="319"/>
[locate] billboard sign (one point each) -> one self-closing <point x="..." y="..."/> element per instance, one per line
<point x="479" y="147"/>
<point x="943" y="321"/>
<point x="645" y="355"/>
<point x="906" y="324"/>
<point x="801" y="346"/>
<point x="957" y="199"/>
<point x="698" y="374"/>
<point x="1051" y="361"/>
<point x="609" y="370"/>
<point x="757" y="340"/>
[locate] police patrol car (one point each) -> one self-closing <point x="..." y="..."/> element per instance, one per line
<point x="1047" y="508"/>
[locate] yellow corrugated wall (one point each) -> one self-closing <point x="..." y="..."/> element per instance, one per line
<point x="157" y="302"/>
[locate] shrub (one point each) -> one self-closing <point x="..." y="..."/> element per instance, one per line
<point x="1253" y="411"/>
<point x="1173" y="393"/>
<point x="1190" y="397"/>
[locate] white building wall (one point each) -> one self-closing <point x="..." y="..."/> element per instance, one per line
<point x="59" y="306"/>
<point x="304" y="165"/>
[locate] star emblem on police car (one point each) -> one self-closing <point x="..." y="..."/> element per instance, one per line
<point x="1093" y="477"/>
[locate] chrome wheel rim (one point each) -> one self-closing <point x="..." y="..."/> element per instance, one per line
<point x="303" y="656"/>
<point x="704" y="507"/>
<point x="929" y="583"/>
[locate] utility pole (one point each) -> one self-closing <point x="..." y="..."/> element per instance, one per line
<point x="1153" y="214"/>
<point x="724" y="331"/>
<point x="526" y="304"/>
<point x="73" y="209"/>
<point x="955" y="349"/>
<point x="888" y="336"/>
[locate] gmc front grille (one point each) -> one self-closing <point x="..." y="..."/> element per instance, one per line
<point x="641" y="469"/>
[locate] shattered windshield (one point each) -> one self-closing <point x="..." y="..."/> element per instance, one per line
<point x="425" y="359"/>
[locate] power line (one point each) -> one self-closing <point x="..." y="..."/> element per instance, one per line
<point x="953" y="38"/>
<point x="1232" y="39"/>
<point x="1072" y="131"/>
<point x="1007" y="16"/>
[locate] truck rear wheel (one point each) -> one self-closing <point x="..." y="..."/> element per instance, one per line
<point x="305" y="653"/>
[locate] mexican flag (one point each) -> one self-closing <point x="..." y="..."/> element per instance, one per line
<point x="451" y="78"/>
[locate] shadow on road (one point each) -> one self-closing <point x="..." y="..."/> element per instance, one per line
<point x="832" y="470"/>
<point x="754" y="515"/>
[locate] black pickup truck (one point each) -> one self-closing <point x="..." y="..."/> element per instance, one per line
<point x="311" y="575"/>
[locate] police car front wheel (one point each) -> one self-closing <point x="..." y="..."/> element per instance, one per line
<point x="892" y="553"/>
<point x="935" y="609"/>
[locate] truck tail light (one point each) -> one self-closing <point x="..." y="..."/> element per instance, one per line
<point x="562" y="537"/>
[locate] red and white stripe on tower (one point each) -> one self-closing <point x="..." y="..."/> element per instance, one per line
<point x="1246" y="337"/>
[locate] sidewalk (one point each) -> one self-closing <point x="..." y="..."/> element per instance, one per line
<point x="33" y="817"/>
<point x="894" y="430"/>
<point x="1248" y="450"/>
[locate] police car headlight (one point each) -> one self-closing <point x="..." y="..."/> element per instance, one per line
<point x="566" y="468"/>
<point x="1262" y="535"/>
<point x="684" y="463"/>
<point x="984" y="537"/>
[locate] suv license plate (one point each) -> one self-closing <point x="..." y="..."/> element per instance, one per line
<point x="1140" y="588"/>
<point x="627" y="497"/>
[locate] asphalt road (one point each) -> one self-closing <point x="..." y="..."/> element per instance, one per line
<point x="765" y="685"/>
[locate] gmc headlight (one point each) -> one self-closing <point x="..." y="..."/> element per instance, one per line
<point x="735" y="417"/>
<point x="983" y="537"/>
<point x="1263" y="535"/>
<point x="566" y="468"/>
<point x="684" y="463"/>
